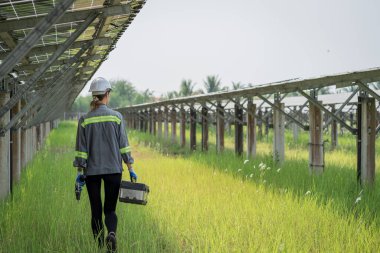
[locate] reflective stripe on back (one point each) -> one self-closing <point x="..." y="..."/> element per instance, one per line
<point x="99" y="119"/>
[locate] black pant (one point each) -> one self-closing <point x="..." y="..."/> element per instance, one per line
<point x="111" y="192"/>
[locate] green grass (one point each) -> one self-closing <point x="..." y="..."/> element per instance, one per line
<point x="199" y="202"/>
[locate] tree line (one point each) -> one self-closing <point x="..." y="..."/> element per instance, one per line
<point x="124" y="93"/>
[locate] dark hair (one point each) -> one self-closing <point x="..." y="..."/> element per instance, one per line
<point x="97" y="101"/>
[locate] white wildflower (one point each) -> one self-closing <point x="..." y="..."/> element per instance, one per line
<point x="281" y="247"/>
<point x="278" y="170"/>
<point x="239" y="170"/>
<point x="246" y="161"/>
<point x="268" y="168"/>
<point x="308" y="193"/>
<point x="251" y="175"/>
<point x="358" y="199"/>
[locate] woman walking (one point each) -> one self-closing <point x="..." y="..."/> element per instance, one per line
<point x="101" y="145"/>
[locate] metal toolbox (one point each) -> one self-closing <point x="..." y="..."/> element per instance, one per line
<point x="134" y="193"/>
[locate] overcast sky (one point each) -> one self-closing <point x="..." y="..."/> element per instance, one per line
<point x="248" y="41"/>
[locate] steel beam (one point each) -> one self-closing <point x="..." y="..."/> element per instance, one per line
<point x="337" y="112"/>
<point x="369" y="90"/>
<point x="52" y="86"/>
<point x="33" y="67"/>
<point x="316" y="103"/>
<point x="49" y="49"/>
<point x="281" y="110"/>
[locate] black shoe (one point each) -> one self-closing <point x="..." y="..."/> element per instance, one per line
<point x="111" y="242"/>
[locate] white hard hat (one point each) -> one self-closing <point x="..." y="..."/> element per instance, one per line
<point x="99" y="86"/>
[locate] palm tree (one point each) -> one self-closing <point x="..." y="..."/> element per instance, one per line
<point x="212" y="84"/>
<point x="237" y="86"/>
<point x="186" y="88"/>
<point x="171" y="94"/>
<point x="147" y="95"/>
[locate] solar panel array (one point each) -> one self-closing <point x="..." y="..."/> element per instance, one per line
<point x="18" y="18"/>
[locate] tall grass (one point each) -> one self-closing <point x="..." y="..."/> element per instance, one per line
<point x="199" y="202"/>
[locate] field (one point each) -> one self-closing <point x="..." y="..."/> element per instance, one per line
<point x="199" y="202"/>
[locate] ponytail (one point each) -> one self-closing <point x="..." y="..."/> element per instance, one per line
<point x="97" y="101"/>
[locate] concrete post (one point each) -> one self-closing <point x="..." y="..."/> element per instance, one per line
<point x="238" y="129"/>
<point x="316" y="160"/>
<point x="47" y="128"/>
<point x="166" y="123"/>
<point x="334" y="130"/>
<point x="173" y="118"/>
<point x="251" y="129"/>
<point x="146" y="120"/>
<point x="267" y="120"/>
<point x="366" y="122"/>
<point x="24" y="148"/>
<point x="183" y="128"/>
<point x="141" y="121"/>
<point x="159" y="123"/>
<point x="34" y="141"/>
<point x="204" y="128"/>
<point x="278" y="133"/>
<point x="219" y="128"/>
<point x="16" y="148"/>
<point x="295" y="128"/>
<point x="5" y="184"/>
<point x="260" y="124"/>
<point x="193" y="129"/>
<point x="39" y="136"/>
<point x="150" y="120"/>
<point x="154" y="120"/>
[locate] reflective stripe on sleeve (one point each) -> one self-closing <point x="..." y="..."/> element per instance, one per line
<point x="125" y="150"/>
<point x="98" y="119"/>
<point x="81" y="154"/>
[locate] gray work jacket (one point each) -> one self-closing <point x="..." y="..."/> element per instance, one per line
<point x="102" y="142"/>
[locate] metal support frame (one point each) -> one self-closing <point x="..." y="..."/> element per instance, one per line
<point x="316" y="103"/>
<point x="306" y="128"/>
<point x="42" y="69"/>
<point x="337" y="112"/>
<point x="368" y="90"/>
<point x="51" y="85"/>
